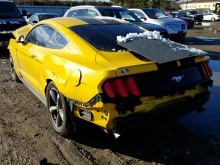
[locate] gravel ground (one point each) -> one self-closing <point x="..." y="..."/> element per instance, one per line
<point x="27" y="137"/>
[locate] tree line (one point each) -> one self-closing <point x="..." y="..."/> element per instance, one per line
<point x="160" y="4"/>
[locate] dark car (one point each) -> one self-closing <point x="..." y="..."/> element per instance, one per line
<point x="37" y="17"/>
<point x="192" y="14"/>
<point x="189" y="21"/>
<point x="10" y="20"/>
<point x="116" y="12"/>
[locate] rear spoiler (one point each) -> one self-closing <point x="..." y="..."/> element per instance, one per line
<point x="160" y="51"/>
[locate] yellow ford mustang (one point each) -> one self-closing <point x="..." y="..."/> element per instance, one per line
<point x="79" y="70"/>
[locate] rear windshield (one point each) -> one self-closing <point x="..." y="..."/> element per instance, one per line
<point x="177" y="15"/>
<point x="43" y="17"/>
<point x="155" y="13"/>
<point x="9" y="10"/>
<point x="193" y="12"/>
<point x="121" y="14"/>
<point x="103" y="37"/>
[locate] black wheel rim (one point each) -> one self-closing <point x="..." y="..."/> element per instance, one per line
<point x="56" y="108"/>
<point x="12" y="67"/>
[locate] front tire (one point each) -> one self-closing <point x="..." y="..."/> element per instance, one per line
<point x="59" y="111"/>
<point x="213" y="19"/>
<point x="13" y="71"/>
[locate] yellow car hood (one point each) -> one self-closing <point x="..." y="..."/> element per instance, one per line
<point x="124" y="60"/>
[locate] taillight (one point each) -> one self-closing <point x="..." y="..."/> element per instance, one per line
<point x="109" y="89"/>
<point x="122" y="87"/>
<point x="205" y="70"/>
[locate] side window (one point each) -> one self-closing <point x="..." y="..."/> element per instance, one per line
<point x="92" y="13"/>
<point x="35" y="18"/>
<point x="77" y="13"/>
<point x="138" y="14"/>
<point x="32" y="18"/>
<point x="57" y="41"/>
<point x="126" y="16"/>
<point x="40" y="35"/>
<point x="70" y="13"/>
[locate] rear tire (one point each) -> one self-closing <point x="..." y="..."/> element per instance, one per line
<point x="13" y="71"/>
<point x="213" y="19"/>
<point x="59" y="111"/>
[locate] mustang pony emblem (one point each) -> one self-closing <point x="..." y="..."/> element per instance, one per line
<point x="177" y="79"/>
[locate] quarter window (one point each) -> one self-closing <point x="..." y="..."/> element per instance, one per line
<point x="40" y="35"/>
<point x="138" y="14"/>
<point x="57" y="41"/>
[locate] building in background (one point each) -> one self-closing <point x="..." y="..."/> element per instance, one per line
<point x="203" y="4"/>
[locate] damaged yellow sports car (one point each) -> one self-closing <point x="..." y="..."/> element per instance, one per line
<point x="106" y="72"/>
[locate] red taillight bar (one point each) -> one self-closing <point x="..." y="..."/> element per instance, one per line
<point x="108" y="89"/>
<point x="209" y="69"/>
<point x="202" y="71"/>
<point x="122" y="87"/>
<point x="205" y="70"/>
<point x="132" y="86"/>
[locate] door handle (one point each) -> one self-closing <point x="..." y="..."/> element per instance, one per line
<point x="34" y="57"/>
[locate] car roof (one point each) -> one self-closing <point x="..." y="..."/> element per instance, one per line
<point x="71" y="21"/>
<point x="46" y="14"/>
<point x="97" y="7"/>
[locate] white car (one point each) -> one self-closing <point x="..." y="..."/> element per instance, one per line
<point x="211" y="17"/>
<point x="177" y="29"/>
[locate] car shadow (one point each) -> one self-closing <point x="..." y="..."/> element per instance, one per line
<point x="4" y="53"/>
<point x="161" y="142"/>
<point x="202" y="41"/>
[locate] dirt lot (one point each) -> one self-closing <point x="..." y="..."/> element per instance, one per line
<point x="26" y="135"/>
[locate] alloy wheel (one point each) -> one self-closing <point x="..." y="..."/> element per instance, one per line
<point x="56" y="108"/>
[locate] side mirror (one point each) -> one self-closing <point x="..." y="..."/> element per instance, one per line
<point x="21" y="39"/>
<point x="34" y="21"/>
<point x="143" y="18"/>
<point x="24" y="13"/>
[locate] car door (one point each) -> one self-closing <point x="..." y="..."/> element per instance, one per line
<point x="30" y="54"/>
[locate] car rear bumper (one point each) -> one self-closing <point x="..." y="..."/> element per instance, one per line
<point x="168" y="111"/>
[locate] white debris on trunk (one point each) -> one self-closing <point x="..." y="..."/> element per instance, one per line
<point x="111" y="18"/>
<point x="156" y="35"/>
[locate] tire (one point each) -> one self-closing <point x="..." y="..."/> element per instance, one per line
<point x="13" y="71"/>
<point x="213" y="19"/>
<point x="59" y="111"/>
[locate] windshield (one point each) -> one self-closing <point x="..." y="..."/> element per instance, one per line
<point x="155" y="13"/>
<point x="9" y="10"/>
<point x="104" y="37"/>
<point x="177" y="15"/>
<point x="43" y="17"/>
<point x="193" y="12"/>
<point x="121" y="14"/>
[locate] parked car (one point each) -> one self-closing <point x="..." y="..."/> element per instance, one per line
<point x="10" y="19"/>
<point x="176" y="28"/>
<point x="211" y="17"/>
<point x="116" y="12"/>
<point x="189" y="21"/>
<point x="192" y="14"/>
<point x="37" y="17"/>
<point x="82" y="71"/>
